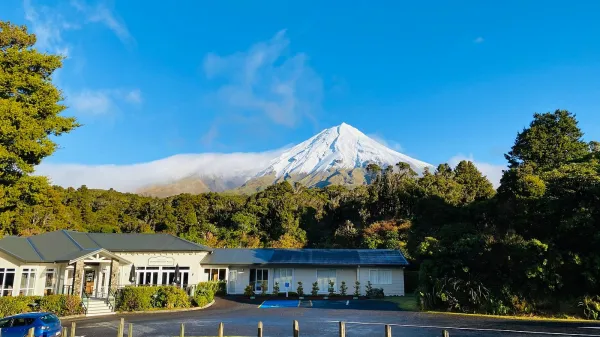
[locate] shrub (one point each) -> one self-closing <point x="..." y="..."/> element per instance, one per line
<point x="218" y="287"/>
<point x="290" y="294"/>
<point x="203" y="296"/>
<point x="263" y="288"/>
<point x="170" y="297"/>
<point x="249" y="290"/>
<point x="591" y="307"/>
<point x="331" y="288"/>
<point x="61" y="305"/>
<point x="343" y="288"/>
<point x="369" y="289"/>
<point x="373" y="292"/>
<point x="300" y="289"/>
<point x="146" y="298"/>
<point x="137" y="298"/>
<point x="12" y="305"/>
<point x="315" y="289"/>
<point x="276" y="289"/>
<point x="356" y="288"/>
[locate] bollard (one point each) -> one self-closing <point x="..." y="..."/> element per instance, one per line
<point x="445" y="333"/>
<point x="296" y="329"/>
<point x="65" y="331"/>
<point x="73" y="326"/>
<point x="182" y="330"/>
<point x="122" y="327"/>
<point x="388" y="330"/>
<point x="221" y="328"/>
<point x="31" y="332"/>
<point x="342" y="329"/>
<point x="130" y="334"/>
<point x="260" y="329"/>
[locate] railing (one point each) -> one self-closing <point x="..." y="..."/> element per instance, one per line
<point x="111" y="299"/>
<point x="66" y="289"/>
<point x="85" y="302"/>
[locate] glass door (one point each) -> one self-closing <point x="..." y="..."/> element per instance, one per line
<point x="232" y="281"/>
<point x="323" y="278"/>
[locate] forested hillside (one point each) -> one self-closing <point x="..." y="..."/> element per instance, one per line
<point x="530" y="246"/>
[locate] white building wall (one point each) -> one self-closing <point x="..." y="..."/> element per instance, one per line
<point x="7" y="261"/>
<point x="144" y="259"/>
<point x="394" y="289"/>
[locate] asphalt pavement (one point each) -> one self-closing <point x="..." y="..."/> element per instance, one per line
<point x="363" y="318"/>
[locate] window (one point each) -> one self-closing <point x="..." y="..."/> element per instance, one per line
<point x="7" y="280"/>
<point x="27" y="282"/>
<point x="257" y="276"/>
<point x="50" y="318"/>
<point x="161" y="275"/>
<point x="323" y="278"/>
<point x="5" y="323"/>
<point x="215" y="274"/>
<point x="50" y="283"/>
<point x="283" y="276"/>
<point x="380" y="276"/>
<point x="22" y="321"/>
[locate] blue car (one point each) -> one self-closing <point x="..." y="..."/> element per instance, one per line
<point x="46" y="325"/>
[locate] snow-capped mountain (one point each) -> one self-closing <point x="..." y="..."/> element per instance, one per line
<point x="337" y="155"/>
<point x="339" y="147"/>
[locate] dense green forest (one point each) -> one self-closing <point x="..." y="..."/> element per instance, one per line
<point x="530" y="246"/>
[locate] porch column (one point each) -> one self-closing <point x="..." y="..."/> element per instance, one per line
<point x="114" y="274"/>
<point x="77" y="278"/>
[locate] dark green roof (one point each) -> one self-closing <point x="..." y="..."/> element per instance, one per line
<point x="66" y="245"/>
<point x="323" y="257"/>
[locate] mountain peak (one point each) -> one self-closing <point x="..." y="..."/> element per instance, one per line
<point x="338" y="147"/>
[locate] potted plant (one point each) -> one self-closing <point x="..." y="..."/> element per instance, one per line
<point x="356" y="290"/>
<point x="343" y="288"/>
<point x="276" y="289"/>
<point x="300" y="291"/>
<point x="315" y="289"/>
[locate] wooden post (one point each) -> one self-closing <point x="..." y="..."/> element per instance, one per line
<point x="445" y="333"/>
<point x="388" y="330"/>
<point x="73" y="326"/>
<point x="221" y="328"/>
<point x="130" y="334"/>
<point x="260" y="329"/>
<point x="31" y="332"/>
<point x="65" y="331"/>
<point x="121" y="327"/>
<point x="296" y="329"/>
<point x="342" y="329"/>
<point x="182" y="330"/>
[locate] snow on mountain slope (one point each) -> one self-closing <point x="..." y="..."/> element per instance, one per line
<point x="339" y="147"/>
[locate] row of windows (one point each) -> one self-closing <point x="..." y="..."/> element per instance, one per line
<point x="27" y="285"/>
<point x="162" y="276"/>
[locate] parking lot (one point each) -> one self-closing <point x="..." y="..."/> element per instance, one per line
<point x="329" y="304"/>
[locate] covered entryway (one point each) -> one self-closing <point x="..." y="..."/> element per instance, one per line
<point x="93" y="274"/>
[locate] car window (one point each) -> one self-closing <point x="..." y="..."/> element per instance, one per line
<point x="5" y="323"/>
<point x="22" y="321"/>
<point x="48" y="319"/>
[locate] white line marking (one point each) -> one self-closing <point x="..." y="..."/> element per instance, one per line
<point x="348" y="301"/>
<point x="474" y="329"/>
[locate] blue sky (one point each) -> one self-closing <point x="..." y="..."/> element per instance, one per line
<point x="438" y="80"/>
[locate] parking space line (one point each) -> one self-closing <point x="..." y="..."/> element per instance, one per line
<point x="474" y="329"/>
<point x="260" y="305"/>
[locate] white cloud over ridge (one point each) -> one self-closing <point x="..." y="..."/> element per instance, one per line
<point x="130" y="178"/>
<point x="101" y="102"/>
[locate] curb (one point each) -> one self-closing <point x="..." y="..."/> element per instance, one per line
<point x="514" y="318"/>
<point x="131" y="313"/>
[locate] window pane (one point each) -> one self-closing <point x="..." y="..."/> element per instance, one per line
<point x="10" y="280"/>
<point x="221" y="274"/>
<point x="5" y="323"/>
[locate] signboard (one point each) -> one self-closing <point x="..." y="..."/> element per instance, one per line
<point x="161" y="261"/>
<point x="287" y="284"/>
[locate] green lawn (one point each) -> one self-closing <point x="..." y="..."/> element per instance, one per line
<point x="405" y="303"/>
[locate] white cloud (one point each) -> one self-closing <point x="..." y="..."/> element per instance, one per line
<point x="479" y="39"/>
<point x="266" y="80"/>
<point x="389" y="143"/>
<point x="91" y="102"/>
<point x="48" y="26"/>
<point x="134" y="96"/>
<point x="130" y="178"/>
<point x="101" y="102"/>
<point x="492" y="171"/>
<point x="102" y="14"/>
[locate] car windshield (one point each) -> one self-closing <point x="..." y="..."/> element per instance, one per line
<point x="48" y="319"/>
<point x="5" y="323"/>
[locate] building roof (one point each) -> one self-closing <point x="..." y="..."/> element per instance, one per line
<point x="324" y="257"/>
<point x="63" y="245"/>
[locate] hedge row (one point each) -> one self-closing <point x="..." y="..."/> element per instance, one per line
<point x="217" y="287"/>
<point x="147" y="298"/>
<point x="61" y="305"/>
